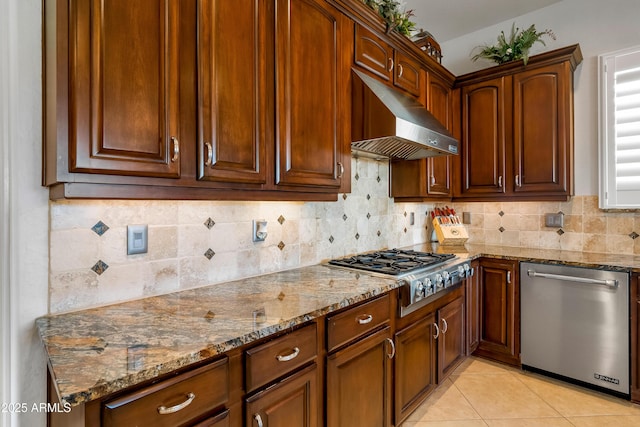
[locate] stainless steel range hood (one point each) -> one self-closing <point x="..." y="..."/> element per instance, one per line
<point x="386" y="123"/>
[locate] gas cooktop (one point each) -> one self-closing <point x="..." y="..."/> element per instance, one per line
<point x="394" y="262"/>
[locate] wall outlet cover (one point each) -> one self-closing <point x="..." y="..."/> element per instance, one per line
<point x="137" y="239"/>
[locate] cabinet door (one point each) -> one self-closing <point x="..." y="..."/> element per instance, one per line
<point x="415" y="366"/>
<point x="123" y="87"/>
<point x="472" y="307"/>
<point x="499" y="311"/>
<point x="439" y="168"/>
<point x="485" y="128"/>
<point x="373" y="54"/>
<point x="542" y="129"/>
<point x="451" y="343"/>
<point x="309" y="95"/>
<point x="359" y="383"/>
<point x="406" y="74"/>
<point x="292" y="402"/>
<point x="233" y="97"/>
<point x="635" y="338"/>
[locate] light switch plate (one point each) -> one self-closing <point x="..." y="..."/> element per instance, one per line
<point x="137" y="239"/>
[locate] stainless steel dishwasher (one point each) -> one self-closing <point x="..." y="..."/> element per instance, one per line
<point x="575" y="324"/>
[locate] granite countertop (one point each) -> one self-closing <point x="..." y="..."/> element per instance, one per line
<point x="93" y="353"/>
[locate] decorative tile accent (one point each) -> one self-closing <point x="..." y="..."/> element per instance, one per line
<point x="405" y="214"/>
<point x="331" y="239"/>
<point x="209" y="223"/>
<point x="501" y="229"/>
<point x="405" y="229"/>
<point x="344" y="196"/>
<point x="100" y="267"/>
<point x="634" y="235"/>
<point x="357" y="236"/>
<point x="210" y="315"/>
<point x="368" y="196"/>
<point x="344" y="217"/>
<point x="368" y="215"/>
<point x="281" y="296"/>
<point x="357" y="177"/>
<point x="281" y="245"/>
<point x="209" y="253"/>
<point x="560" y="232"/>
<point x="100" y="228"/>
<point x="378" y="179"/>
<point x="281" y="219"/>
<point x="501" y="213"/>
<point x="379" y="233"/>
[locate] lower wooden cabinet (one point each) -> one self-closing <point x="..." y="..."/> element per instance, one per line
<point x="291" y="402"/>
<point x="635" y="337"/>
<point x="472" y="307"/>
<point x="499" y="297"/>
<point x="451" y="340"/>
<point x="415" y="365"/>
<point x="359" y="382"/>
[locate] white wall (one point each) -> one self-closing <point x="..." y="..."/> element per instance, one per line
<point x="25" y="210"/>
<point x="599" y="27"/>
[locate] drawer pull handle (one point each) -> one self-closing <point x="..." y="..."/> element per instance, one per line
<point x="364" y="319"/>
<point x="435" y="337"/>
<point x="176" y="148"/>
<point x="163" y="410"/>
<point x="258" y="419"/>
<point x="445" y="326"/>
<point x="209" y="160"/>
<point x="291" y="356"/>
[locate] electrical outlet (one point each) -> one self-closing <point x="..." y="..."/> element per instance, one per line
<point x="412" y="218"/>
<point x="466" y="217"/>
<point x="555" y="220"/>
<point x="259" y="230"/>
<point x="137" y="239"/>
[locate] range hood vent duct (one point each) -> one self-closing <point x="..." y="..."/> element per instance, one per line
<point x="389" y="124"/>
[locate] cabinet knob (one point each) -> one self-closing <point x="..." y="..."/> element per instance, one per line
<point x="176" y="148"/>
<point x="163" y="410"/>
<point x="393" y="348"/>
<point x="433" y="180"/>
<point x="390" y="64"/>
<point x="340" y="169"/>
<point x="209" y="157"/>
<point x="258" y="419"/>
<point x="500" y="181"/>
<point x="518" y="183"/>
<point x="435" y="337"/>
<point x="400" y="70"/>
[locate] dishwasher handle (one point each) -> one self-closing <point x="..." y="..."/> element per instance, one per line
<point x="605" y="282"/>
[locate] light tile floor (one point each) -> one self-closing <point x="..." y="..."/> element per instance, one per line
<point x="484" y="393"/>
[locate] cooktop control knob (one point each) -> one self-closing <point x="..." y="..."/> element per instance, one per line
<point x="462" y="272"/>
<point x="447" y="278"/>
<point x="439" y="281"/>
<point x="428" y="287"/>
<point x="419" y="294"/>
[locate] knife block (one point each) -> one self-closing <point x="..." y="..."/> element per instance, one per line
<point x="450" y="234"/>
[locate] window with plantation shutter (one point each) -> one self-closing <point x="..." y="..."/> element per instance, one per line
<point x="620" y="129"/>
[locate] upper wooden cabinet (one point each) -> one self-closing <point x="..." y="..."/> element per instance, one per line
<point x="138" y="92"/>
<point x="379" y="58"/>
<point x="312" y="94"/>
<point x="121" y="95"/>
<point x="429" y="178"/>
<point x="517" y="129"/>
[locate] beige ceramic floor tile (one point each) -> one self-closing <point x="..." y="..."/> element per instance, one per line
<point x="530" y="422"/>
<point x="502" y="396"/>
<point x="570" y="400"/>
<point x="457" y="423"/>
<point x="445" y="404"/>
<point x="474" y="365"/>
<point x="606" y="421"/>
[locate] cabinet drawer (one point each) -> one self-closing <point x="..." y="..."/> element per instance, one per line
<point x="356" y="321"/>
<point x="280" y="356"/>
<point x="183" y="398"/>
